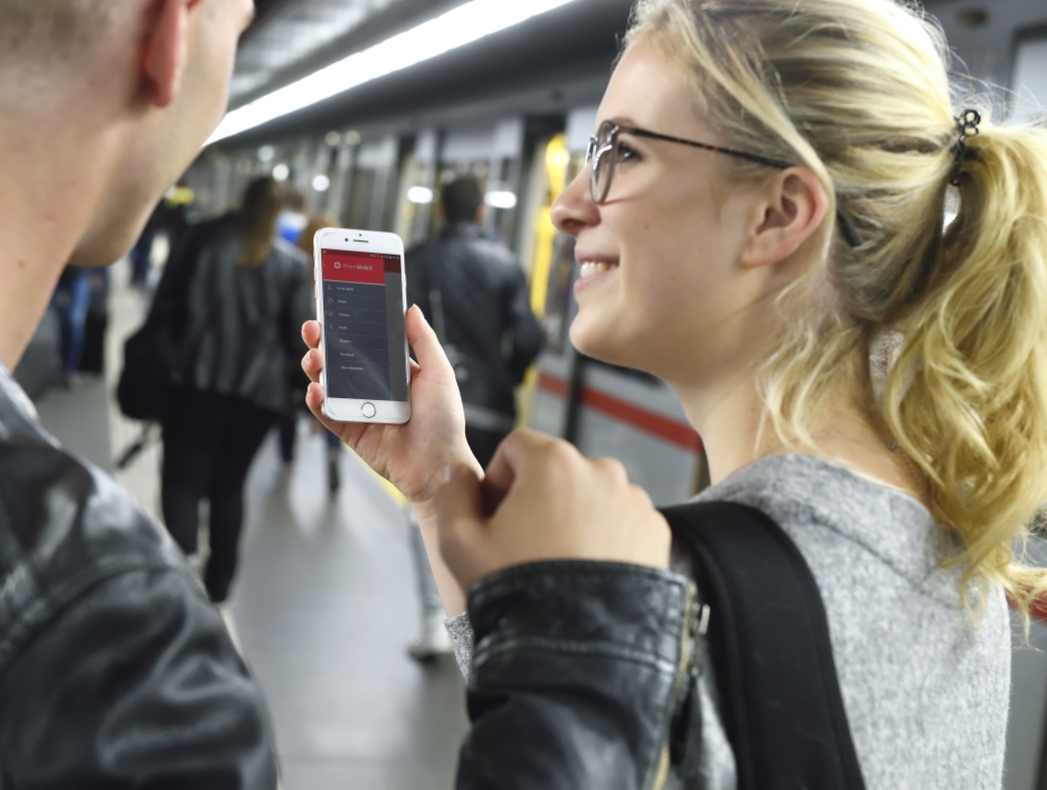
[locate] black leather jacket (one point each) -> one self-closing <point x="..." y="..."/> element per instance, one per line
<point x="115" y="671"/>
<point x="239" y="327"/>
<point x="486" y="312"/>
<point x="580" y="679"/>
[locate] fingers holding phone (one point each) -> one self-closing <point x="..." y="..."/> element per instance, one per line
<point x="542" y="500"/>
<point x="414" y="455"/>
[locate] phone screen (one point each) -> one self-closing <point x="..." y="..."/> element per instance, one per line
<point x="364" y="325"/>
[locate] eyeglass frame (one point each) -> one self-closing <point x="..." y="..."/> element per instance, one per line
<point x="593" y="155"/>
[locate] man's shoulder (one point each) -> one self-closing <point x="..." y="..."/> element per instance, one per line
<point x="466" y="250"/>
<point x="65" y="526"/>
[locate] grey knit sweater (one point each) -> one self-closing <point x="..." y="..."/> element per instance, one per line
<point x="925" y="690"/>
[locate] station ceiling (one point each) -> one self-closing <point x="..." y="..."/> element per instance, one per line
<point x="292" y="38"/>
<point x="985" y="34"/>
<point x="289" y="33"/>
<point x="571" y="43"/>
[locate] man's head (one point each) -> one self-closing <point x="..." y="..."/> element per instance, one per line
<point x="462" y="200"/>
<point x="135" y="85"/>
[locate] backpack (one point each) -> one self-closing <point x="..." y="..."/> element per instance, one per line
<point x="769" y="642"/>
<point x="153" y="352"/>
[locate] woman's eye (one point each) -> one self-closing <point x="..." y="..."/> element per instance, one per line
<point x="627" y="154"/>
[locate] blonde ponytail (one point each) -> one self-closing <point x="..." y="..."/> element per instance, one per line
<point x="857" y="90"/>
<point x="967" y="398"/>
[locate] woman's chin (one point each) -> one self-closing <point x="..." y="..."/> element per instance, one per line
<point x="596" y="343"/>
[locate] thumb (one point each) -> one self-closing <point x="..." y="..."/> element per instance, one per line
<point x="425" y="343"/>
<point x="460" y="523"/>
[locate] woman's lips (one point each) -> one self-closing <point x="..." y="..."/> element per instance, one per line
<point x="593" y="272"/>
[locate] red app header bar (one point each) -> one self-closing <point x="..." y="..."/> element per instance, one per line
<point x="358" y="267"/>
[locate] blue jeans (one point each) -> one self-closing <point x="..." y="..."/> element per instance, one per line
<point x="71" y="300"/>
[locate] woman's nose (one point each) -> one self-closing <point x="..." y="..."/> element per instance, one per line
<point x="574" y="210"/>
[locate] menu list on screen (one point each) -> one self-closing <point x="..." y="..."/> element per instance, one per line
<point x="363" y="325"/>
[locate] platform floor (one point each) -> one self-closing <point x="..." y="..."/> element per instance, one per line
<point x="324" y="603"/>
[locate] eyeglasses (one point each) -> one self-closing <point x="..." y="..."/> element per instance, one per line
<point x="603" y="154"/>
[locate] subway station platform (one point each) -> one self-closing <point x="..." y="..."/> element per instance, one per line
<point x="324" y="604"/>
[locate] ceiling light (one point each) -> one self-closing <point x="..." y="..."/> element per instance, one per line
<point x="321" y="183"/>
<point x="500" y="199"/>
<point x="463" y="25"/>
<point x="281" y="172"/>
<point x="420" y="195"/>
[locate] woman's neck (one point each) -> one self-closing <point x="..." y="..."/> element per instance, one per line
<point x="730" y="420"/>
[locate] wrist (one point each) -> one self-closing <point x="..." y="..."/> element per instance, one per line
<point x="423" y="503"/>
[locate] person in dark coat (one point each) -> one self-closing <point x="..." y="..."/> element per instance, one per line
<point x="475" y="294"/>
<point x="237" y="295"/>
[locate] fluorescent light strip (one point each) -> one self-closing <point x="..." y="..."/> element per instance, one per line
<point x="463" y="25"/>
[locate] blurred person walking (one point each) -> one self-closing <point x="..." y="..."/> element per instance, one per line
<point x="299" y="382"/>
<point x="475" y="293"/>
<point x="170" y="218"/>
<point x="237" y="294"/>
<point x="71" y="301"/>
<point x="115" y="671"/>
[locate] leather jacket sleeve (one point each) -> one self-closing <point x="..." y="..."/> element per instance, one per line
<point x="134" y="685"/>
<point x="578" y="670"/>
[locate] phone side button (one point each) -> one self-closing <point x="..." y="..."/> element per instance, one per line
<point x="368" y="410"/>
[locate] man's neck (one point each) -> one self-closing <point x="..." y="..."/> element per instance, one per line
<point x="50" y="183"/>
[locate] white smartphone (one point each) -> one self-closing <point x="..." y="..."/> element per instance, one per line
<point x="361" y="301"/>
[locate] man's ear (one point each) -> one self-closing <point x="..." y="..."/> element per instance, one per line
<point x="793" y="208"/>
<point x="163" y="59"/>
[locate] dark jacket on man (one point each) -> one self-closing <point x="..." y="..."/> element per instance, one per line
<point x="115" y="671"/>
<point x="239" y="326"/>
<point x="482" y="310"/>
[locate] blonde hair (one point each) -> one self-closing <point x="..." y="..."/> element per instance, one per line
<point x="857" y="91"/>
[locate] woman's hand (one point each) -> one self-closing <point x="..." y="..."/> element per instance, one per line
<point x="541" y="500"/>
<point x="413" y="456"/>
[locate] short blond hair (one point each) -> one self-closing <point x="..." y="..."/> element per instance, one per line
<point x="857" y="91"/>
<point x="51" y="31"/>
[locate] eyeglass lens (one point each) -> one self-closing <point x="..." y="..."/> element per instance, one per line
<point x="602" y="165"/>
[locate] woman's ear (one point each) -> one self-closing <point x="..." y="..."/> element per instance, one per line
<point x="791" y="210"/>
<point x="163" y="59"/>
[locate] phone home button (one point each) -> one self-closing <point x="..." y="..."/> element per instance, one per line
<point x="368" y="410"/>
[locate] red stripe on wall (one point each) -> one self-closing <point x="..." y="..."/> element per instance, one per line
<point x="1038" y="609"/>
<point x="554" y="385"/>
<point x="672" y="431"/>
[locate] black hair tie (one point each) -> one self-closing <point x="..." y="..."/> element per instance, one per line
<point x="967" y="122"/>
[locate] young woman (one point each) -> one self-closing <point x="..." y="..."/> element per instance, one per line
<point x="233" y="296"/>
<point x="843" y="275"/>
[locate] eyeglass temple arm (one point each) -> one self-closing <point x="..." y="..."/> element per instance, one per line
<point x="850" y="232"/>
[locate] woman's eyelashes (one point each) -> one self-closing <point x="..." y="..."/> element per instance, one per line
<point x="626" y="153"/>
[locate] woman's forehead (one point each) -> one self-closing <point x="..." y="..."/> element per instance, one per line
<point x="650" y="90"/>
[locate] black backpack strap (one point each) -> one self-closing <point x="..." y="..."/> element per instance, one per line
<point x="771" y="653"/>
